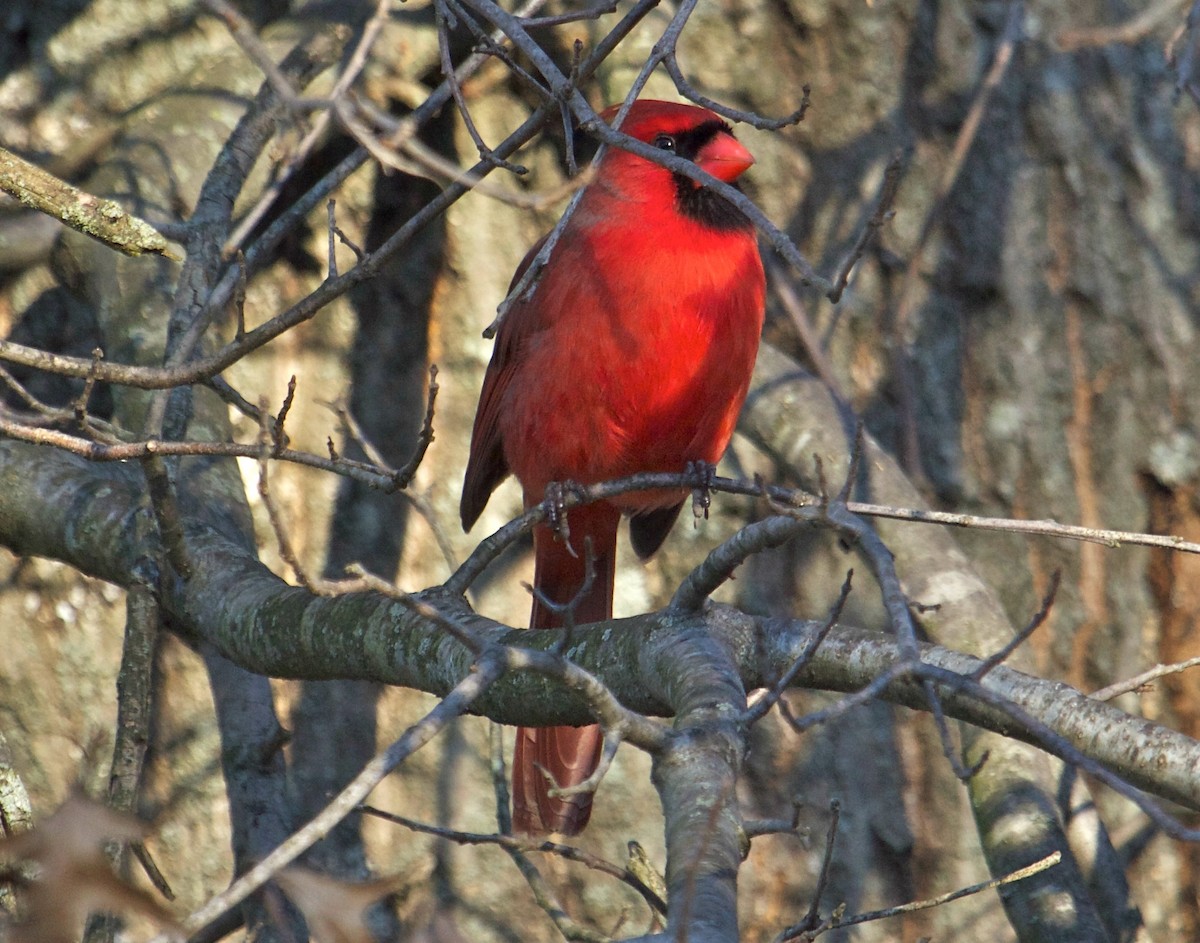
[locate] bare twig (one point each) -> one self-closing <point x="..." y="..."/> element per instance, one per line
<point x="1041" y="734"/>
<point x="420" y="607"/>
<point x="688" y="91"/>
<point x="526" y="844"/>
<point x="414" y="157"/>
<point x="408" y="471"/>
<point x="268" y="437"/>
<point x="722" y="560"/>
<point x="244" y="34"/>
<point x="1140" y="680"/>
<point x="379" y="475"/>
<point x="794" y="306"/>
<point x="1128" y="32"/>
<point x="1019" y="875"/>
<point x="883" y="212"/>
<point x="486" y="672"/>
<point x="132" y="731"/>
<point x="165" y="504"/>
<point x="908" y="291"/>
<point x="593" y="12"/>
<point x="1039" y="618"/>
<point x="371" y="475"/>
<point x="763" y="705"/>
<point x="812" y="919"/>
<point x="444" y="21"/>
<point x="949" y="750"/>
<point x="542" y="893"/>
<point x="739" y="548"/>
<point x="757" y="827"/>
<point x="844" y="705"/>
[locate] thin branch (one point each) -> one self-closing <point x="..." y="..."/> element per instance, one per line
<point x="165" y="503"/>
<point x="755" y="828"/>
<point x="300" y="209"/>
<point x="444" y="21"/>
<point x="718" y="567"/>
<point x="422" y="608"/>
<point x="763" y="705"/>
<point x="413" y="157"/>
<point x="794" y="306"/>
<point x="1045" y="528"/>
<point x="542" y="894"/>
<point x="1141" y="680"/>
<point x="593" y="12"/>
<point x="487" y="671"/>
<point x="405" y="474"/>
<point x="844" y="705"/>
<point x="287" y="550"/>
<point x="245" y="35"/>
<point x="883" y="212"/>
<point x="1044" y="736"/>
<point x="1039" y="619"/>
<point x="812" y="917"/>
<point x="950" y="751"/>
<point x="132" y="732"/>
<point x="1011" y="35"/>
<point x="526" y="844"/>
<point x="1128" y="32"/>
<point x="381" y="478"/>
<point x="838" y="515"/>
<point x="898" y="321"/>
<point x="837" y="923"/>
<point x="755" y="120"/>
<point x="738" y="549"/>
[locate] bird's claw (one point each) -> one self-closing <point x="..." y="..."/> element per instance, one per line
<point x="555" y="501"/>
<point x="704" y="473"/>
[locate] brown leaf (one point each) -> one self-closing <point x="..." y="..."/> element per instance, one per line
<point x="333" y="909"/>
<point x="72" y="877"/>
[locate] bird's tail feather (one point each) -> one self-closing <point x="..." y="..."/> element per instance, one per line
<point x="568" y="754"/>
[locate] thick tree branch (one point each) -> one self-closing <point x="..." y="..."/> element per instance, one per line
<point x="52" y="504"/>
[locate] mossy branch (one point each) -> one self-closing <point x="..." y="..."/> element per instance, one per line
<point x="94" y="216"/>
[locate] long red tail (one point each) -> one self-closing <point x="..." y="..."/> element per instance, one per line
<point x="568" y="754"/>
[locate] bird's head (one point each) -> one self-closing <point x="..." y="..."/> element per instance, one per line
<point x="696" y="134"/>
<point x="686" y="131"/>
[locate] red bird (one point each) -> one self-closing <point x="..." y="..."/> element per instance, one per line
<point x="633" y="354"/>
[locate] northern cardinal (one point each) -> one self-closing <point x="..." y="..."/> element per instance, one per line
<point x="633" y="354"/>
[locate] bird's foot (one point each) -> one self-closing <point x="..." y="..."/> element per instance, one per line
<point x="555" y="502"/>
<point x="704" y="473"/>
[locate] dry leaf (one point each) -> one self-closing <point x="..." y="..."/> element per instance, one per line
<point x="335" y="910"/>
<point x="71" y="876"/>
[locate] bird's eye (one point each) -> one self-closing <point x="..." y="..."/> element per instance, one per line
<point x="664" y="142"/>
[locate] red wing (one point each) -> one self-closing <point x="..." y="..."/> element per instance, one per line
<point x="486" y="466"/>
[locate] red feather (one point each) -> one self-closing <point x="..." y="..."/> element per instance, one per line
<point x="634" y="354"/>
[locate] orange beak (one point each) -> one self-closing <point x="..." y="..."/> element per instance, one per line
<point x="724" y="158"/>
